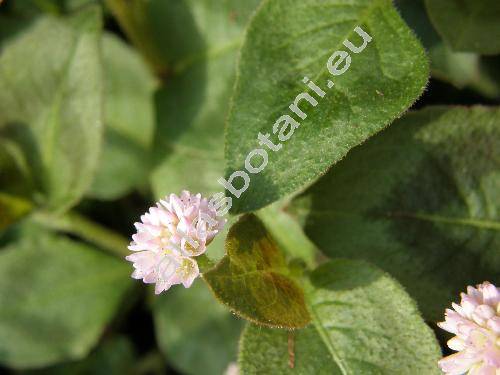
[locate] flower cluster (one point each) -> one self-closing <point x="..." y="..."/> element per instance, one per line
<point x="168" y="238"/>
<point x="476" y="324"/>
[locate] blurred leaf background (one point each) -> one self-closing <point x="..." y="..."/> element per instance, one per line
<point x="106" y="106"/>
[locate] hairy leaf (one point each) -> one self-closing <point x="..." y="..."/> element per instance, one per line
<point x="57" y="296"/>
<point x="192" y="107"/>
<point x="364" y="323"/>
<point x="195" y="340"/>
<point x="422" y="201"/>
<point x="129" y="119"/>
<point x="253" y="279"/>
<point x="52" y="106"/>
<point x="288" y="40"/>
<point x="467" y="25"/>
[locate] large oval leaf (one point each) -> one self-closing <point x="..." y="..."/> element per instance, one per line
<point x="288" y="40"/>
<point x="421" y="200"/>
<point x="52" y="105"/>
<point x="253" y="279"/>
<point x="364" y="323"/>
<point x="56" y="298"/>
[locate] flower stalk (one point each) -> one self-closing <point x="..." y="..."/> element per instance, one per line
<point x="78" y="225"/>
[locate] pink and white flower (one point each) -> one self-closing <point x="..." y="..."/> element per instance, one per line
<point x="476" y="324"/>
<point x="169" y="235"/>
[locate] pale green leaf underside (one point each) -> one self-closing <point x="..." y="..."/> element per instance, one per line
<point x="421" y="200"/>
<point x="52" y="106"/>
<point x="253" y="279"/>
<point x="363" y="323"/>
<point x="57" y="296"/>
<point x="467" y="25"/>
<point x="288" y="40"/>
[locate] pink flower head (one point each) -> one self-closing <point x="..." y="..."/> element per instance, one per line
<point x="169" y="236"/>
<point x="476" y="324"/>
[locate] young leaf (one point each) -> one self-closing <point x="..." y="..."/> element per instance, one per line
<point x="54" y="101"/>
<point x="192" y="107"/>
<point x="57" y="296"/>
<point x="467" y="25"/>
<point x="129" y="119"/>
<point x="288" y="40"/>
<point x="421" y="201"/>
<point x="253" y="278"/>
<point x="364" y="323"/>
<point x="195" y="340"/>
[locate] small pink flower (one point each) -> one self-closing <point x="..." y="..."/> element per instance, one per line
<point x="476" y="324"/>
<point x="169" y="236"/>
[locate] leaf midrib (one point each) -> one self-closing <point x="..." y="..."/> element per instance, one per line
<point x="463" y="221"/>
<point x="326" y="339"/>
<point x="55" y="109"/>
<point x="362" y="18"/>
<point x="472" y="222"/>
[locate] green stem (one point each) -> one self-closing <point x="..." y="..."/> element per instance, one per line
<point x="86" y="229"/>
<point x="204" y="263"/>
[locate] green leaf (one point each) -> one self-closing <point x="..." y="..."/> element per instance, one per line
<point x="421" y="201"/>
<point x="192" y="107"/>
<point x="129" y="120"/>
<point x="467" y="25"/>
<point x="57" y="296"/>
<point x="12" y="208"/>
<point x="134" y="17"/>
<point x="195" y="340"/>
<point x="114" y="356"/>
<point x="53" y="103"/>
<point x="288" y="40"/>
<point x="364" y="323"/>
<point x="253" y="279"/>
<point x="461" y="69"/>
<point x="10" y="27"/>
